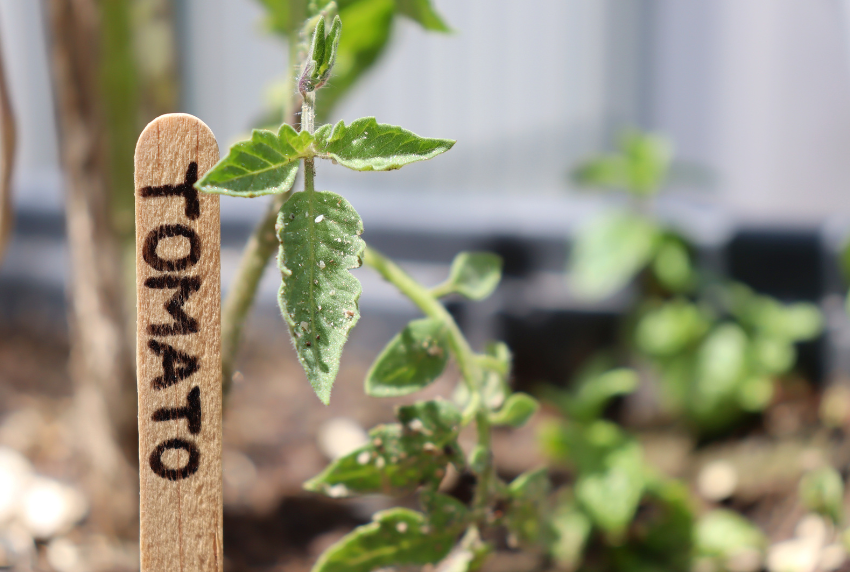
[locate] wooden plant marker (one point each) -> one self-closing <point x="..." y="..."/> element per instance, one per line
<point x="178" y="349"/>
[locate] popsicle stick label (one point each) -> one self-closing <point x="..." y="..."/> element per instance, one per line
<point x="178" y="350"/>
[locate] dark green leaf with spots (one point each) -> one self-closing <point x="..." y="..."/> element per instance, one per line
<point x="399" y="457"/>
<point x="412" y="360"/>
<point x="319" y="234"/>
<point x="367" y="145"/>
<point x="395" y="537"/>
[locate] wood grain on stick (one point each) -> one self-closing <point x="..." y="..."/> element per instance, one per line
<point x="178" y="348"/>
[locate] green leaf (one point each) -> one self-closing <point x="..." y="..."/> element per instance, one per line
<point x="412" y="360"/>
<point x="399" y="457"/>
<point x="792" y="322"/>
<point x="423" y="12"/>
<point x="437" y="420"/>
<point x="822" y="490"/>
<point x="724" y="533"/>
<point x="648" y="159"/>
<point x="670" y="328"/>
<point x="608" y="253"/>
<point x="444" y="511"/>
<point x="571" y="531"/>
<point x="594" y="393"/>
<point x="772" y="355"/>
<point x="319" y="235"/>
<point x="516" y="411"/>
<point x="475" y="275"/>
<point x="611" y="477"/>
<point x="607" y="172"/>
<point x="479" y="459"/>
<point x="672" y="266"/>
<point x="527" y="516"/>
<point x="396" y="537"/>
<point x="721" y="363"/>
<point x="641" y="167"/>
<point x="755" y="393"/>
<point x="367" y="145"/>
<point x="264" y="165"/>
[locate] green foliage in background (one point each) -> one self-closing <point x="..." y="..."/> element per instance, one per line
<point x="717" y="347"/>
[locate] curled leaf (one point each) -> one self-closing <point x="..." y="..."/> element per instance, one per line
<point x="264" y="165"/>
<point x="399" y="458"/>
<point x="367" y="145"/>
<point x="517" y="410"/>
<point x="474" y="275"/>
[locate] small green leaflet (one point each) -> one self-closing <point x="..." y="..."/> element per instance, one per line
<point x="526" y="518"/>
<point x="264" y="165"/>
<point x="399" y="456"/>
<point x="319" y="235"/>
<point x="413" y="359"/>
<point x="516" y="411"/>
<point x="367" y="145"/>
<point x="610" y="493"/>
<point x="726" y="533"/>
<point x="474" y="274"/>
<point x="396" y="537"/>
<point x="609" y="252"/>
<point x="594" y="392"/>
<point x="822" y="491"/>
<point x="423" y="12"/>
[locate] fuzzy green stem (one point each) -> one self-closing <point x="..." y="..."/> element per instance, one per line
<point x="443" y="289"/>
<point x="308" y="124"/>
<point x="432" y="308"/>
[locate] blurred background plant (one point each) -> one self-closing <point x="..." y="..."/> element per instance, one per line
<point x="716" y="347"/>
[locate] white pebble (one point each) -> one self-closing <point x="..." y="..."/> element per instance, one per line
<point x="717" y="480"/>
<point x="63" y="555"/>
<point x="49" y="508"/>
<point x="796" y="555"/>
<point x="340" y="436"/>
<point x="337" y="491"/>
<point x="15" y="475"/>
